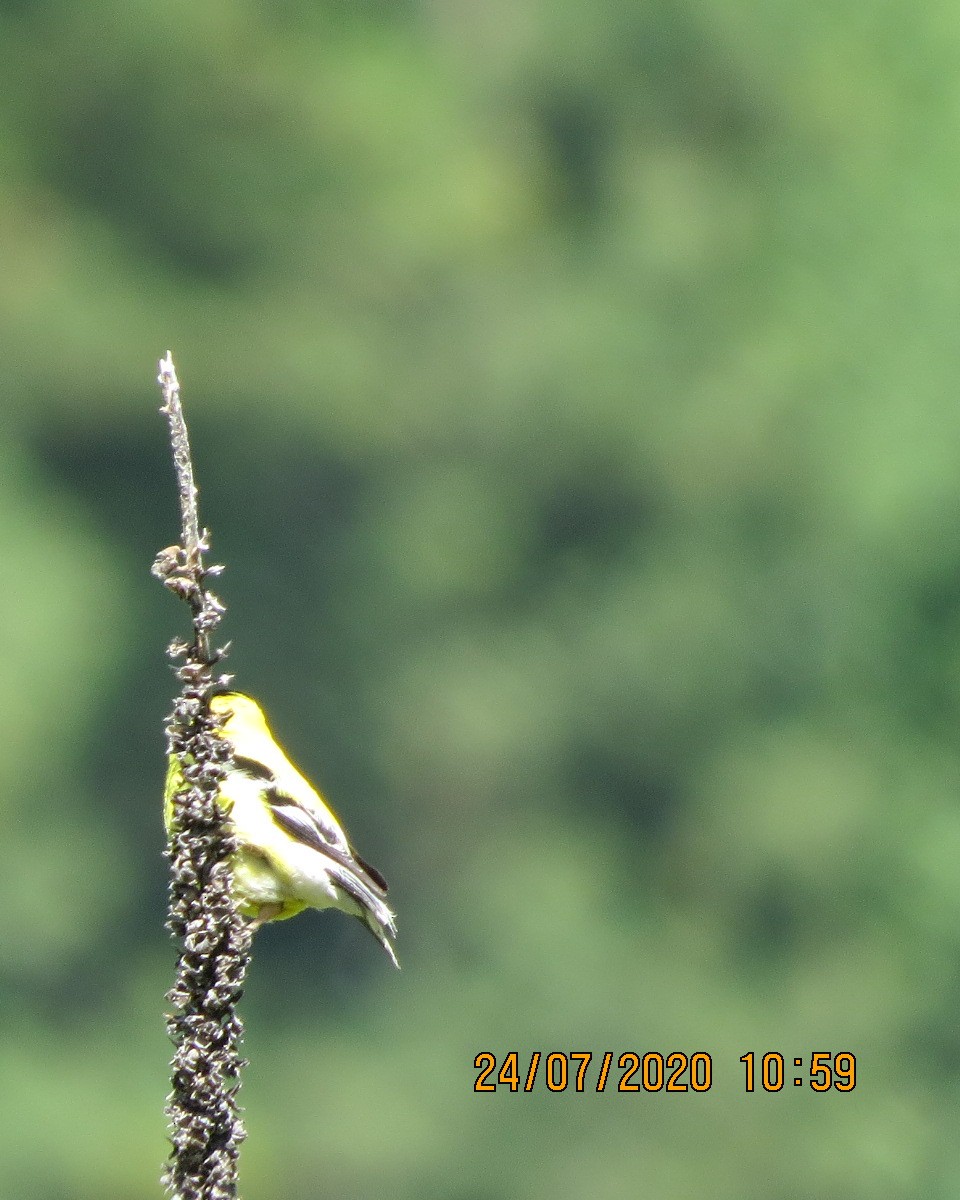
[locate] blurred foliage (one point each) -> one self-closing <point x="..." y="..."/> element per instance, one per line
<point x="573" y="397"/>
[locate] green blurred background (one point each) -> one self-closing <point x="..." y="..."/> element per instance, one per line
<point x="573" y="390"/>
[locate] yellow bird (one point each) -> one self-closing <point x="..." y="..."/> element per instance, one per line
<point x="292" y="852"/>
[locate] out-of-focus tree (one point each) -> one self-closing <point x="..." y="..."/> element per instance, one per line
<point x="572" y="387"/>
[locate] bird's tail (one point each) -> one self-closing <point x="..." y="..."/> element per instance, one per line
<point x="372" y="911"/>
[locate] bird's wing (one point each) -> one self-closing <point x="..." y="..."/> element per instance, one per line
<point x="302" y="825"/>
<point x="311" y="825"/>
<point x="312" y="816"/>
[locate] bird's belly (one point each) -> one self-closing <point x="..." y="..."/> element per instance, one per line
<point x="254" y="879"/>
<point x="300" y="880"/>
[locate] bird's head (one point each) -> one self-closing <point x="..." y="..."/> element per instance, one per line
<point x="240" y="713"/>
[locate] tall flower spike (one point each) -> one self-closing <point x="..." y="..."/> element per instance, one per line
<point x="205" y="1125"/>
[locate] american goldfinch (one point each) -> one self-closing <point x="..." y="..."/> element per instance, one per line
<point x="292" y="852"/>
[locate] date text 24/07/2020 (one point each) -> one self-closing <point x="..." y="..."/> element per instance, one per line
<point x="676" y="1071"/>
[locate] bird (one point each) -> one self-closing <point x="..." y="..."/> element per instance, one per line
<point x="292" y="852"/>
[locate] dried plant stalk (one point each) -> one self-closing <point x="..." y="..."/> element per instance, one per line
<point x="204" y="1114"/>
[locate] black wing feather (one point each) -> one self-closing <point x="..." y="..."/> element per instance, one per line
<point x="374" y="874"/>
<point x="253" y="768"/>
<point x="299" y="824"/>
